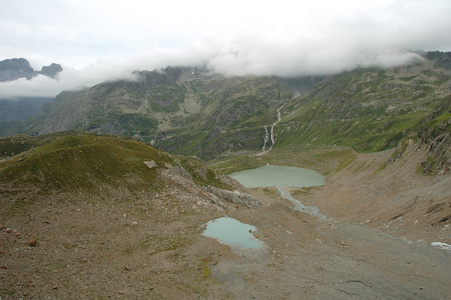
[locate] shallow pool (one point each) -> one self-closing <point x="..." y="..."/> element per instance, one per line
<point x="232" y="232"/>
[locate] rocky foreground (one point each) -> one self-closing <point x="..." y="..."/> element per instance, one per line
<point x="150" y="244"/>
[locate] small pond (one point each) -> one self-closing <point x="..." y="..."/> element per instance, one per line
<point x="232" y="232"/>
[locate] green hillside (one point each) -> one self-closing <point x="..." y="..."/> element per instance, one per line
<point x="369" y="110"/>
<point x="193" y="112"/>
<point x="95" y="164"/>
<point x="79" y="211"/>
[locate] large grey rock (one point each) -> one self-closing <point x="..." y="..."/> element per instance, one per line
<point x="236" y="197"/>
<point x="180" y="171"/>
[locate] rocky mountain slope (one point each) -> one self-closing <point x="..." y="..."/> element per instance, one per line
<point x="20" y="109"/>
<point x="14" y="111"/>
<point x="98" y="216"/>
<point x="190" y="111"/>
<point x="369" y="110"/>
<point x="165" y="104"/>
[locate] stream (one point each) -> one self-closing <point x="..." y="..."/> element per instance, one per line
<point x="311" y="210"/>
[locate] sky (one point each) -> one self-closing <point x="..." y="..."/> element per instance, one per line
<point x="99" y="40"/>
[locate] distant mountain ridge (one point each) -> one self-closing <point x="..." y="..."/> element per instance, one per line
<point x="20" y="109"/>
<point x="15" y="68"/>
<point x="195" y="112"/>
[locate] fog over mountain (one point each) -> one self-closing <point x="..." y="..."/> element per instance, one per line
<point x="98" y="40"/>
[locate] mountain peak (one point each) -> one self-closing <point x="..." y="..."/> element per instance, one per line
<point x="51" y="71"/>
<point x="15" y="68"/>
<point x="12" y="69"/>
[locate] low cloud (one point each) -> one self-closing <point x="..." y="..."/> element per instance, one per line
<point x="240" y="58"/>
<point x="108" y="68"/>
<point x="244" y="38"/>
<point x="292" y="58"/>
<point x="68" y="79"/>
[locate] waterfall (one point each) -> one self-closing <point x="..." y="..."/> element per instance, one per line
<point x="267" y="137"/>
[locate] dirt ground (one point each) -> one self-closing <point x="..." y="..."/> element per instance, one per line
<point x="151" y="246"/>
<point x="396" y="200"/>
<point x="335" y="259"/>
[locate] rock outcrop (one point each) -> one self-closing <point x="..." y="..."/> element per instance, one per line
<point x="51" y="71"/>
<point x="435" y="134"/>
<point x="235" y="197"/>
<point x="218" y="196"/>
<point x="12" y="69"/>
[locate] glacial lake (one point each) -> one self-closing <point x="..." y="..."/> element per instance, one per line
<point x="283" y="176"/>
<point x="232" y="232"/>
<point x="279" y="176"/>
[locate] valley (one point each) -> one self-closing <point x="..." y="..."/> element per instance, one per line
<point x="122" y="238"/>
<point x="105" y="191"/>
<point x="192" y="111"/>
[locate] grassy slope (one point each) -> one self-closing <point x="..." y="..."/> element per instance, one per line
<point x="97" y="212"/>
<point x="369" y="110"/>
<point x="233" y="114"/>
<point x="71" y="162"/>
<point x="366" y="109"/>
<point x="209" y="115"/>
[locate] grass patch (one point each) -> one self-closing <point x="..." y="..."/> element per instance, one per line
<point x="84" y="162"/>
<point x="206" y="274"/>
<point x="156" y="243"/>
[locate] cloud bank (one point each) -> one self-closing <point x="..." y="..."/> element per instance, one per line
<point x="99" y="40"/>
<point x="246" y="57"/>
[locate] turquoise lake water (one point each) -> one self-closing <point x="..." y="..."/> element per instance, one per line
<point x="233" y="233"/>
<point x="279" y="176"/>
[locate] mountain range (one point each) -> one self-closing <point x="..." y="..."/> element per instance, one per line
<point x="94" y="187"/>
<point x="22" y="108"/>
<point x="195" y="112"/>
